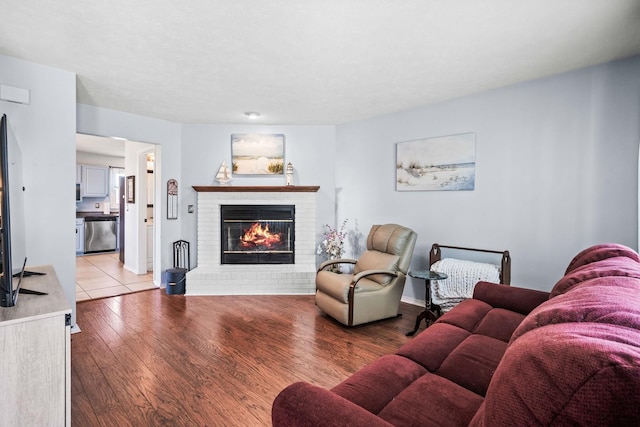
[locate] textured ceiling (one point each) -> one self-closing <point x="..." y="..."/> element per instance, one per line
<point x="308" y="62"/>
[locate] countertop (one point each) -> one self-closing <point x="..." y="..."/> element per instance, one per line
<point x="95" y="214"/>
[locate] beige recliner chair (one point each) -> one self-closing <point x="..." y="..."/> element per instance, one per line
<point x="374" y="289"/>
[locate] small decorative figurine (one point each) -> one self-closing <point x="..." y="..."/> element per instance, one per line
<point x="224" y="175"/>
<point x="289" y="174"/>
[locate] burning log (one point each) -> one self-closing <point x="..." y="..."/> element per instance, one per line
<point x="257" y="235"/>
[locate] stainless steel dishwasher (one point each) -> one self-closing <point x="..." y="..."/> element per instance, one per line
<point x="100" y="234"/>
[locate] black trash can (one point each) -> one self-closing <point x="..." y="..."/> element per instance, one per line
<point x="176" y="281"/>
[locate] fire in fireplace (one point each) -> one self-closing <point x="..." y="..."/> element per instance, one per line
<point x="257" y="234"/>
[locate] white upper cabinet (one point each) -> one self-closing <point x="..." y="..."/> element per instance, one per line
<point x="95" y="181"/>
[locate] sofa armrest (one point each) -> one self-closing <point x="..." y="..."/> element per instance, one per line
<point x="520" y="300"/>
<point x="303" y="404"/>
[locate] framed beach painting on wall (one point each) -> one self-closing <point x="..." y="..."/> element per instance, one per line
<point x="442" y="163"/>
<point x="257" y="154"/>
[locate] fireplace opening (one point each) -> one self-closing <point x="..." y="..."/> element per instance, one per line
<point x="257" y="234"/>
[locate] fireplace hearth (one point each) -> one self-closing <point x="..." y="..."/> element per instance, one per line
<point x="257" y="234"/>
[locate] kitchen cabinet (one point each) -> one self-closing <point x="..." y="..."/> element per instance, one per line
<point x="95" y="181"/>
<point x="78" y="174"/>
<point x="36" y="355"/>
<point x="79" y="235"/>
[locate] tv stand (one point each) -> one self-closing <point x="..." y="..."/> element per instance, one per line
<point x="36" y="355"/>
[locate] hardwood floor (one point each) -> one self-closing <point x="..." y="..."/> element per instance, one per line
<point x="148" y="358"/>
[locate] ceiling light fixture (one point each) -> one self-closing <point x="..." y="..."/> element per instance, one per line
<point x="252" y="114"/>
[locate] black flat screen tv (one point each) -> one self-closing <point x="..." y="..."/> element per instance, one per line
<point x="12" y="222"/>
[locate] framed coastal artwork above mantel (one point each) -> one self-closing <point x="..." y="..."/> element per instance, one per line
<point x="257" y="154"/>
<point x="445" y="163"/>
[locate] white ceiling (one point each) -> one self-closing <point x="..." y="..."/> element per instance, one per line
<point x="100" y="145"/>
<point x="308" y="62"/>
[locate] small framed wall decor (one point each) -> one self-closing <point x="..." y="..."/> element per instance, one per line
<point x="257" y="154"/>
<point x="131" y="189"/>
<point x="445" y="163"/>
<point x="172" y="199"/>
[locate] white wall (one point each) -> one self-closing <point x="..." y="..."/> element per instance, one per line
<point x="311" y="150"/>
<point x="556" y="171"/>
<point x="45" y="130"/>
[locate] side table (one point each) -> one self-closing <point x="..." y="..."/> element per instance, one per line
<point x="431" y="311"/>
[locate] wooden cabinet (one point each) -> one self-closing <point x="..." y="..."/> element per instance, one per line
<point x="36" y="355"/>
<point x="95" y="181"/>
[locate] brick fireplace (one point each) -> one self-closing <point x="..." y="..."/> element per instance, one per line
<point x="212" y="277"/>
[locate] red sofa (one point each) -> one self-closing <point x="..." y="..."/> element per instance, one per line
<point x="508" y="356"/>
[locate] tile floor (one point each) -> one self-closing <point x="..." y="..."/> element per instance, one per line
<point x="102" y="275"/>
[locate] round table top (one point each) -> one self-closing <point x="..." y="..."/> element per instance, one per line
<point x="427" y="275"/>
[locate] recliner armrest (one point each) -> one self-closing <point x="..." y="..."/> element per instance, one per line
<point x="329" y="262"/>
<point x="304" y="404"/>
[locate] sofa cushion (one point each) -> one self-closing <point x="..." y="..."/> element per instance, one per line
<point x="468" y="314"/>
<point x="480" y="318"/>
<point x="472" y="364"/>
<point x="499" y="324"/>
<point x="374" y="260"/>
<point x="378" y="383"/>
<point x="612" y="300"/>
<point x="432" y="346"/>
<point x="600" y="252"/>
<point x="465" y="345"/>
<point x="567" y="374"/>
<point x="431" y="401"/>
<point x="616" y="266"/>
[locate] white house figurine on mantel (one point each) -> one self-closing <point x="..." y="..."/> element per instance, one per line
<point x="224" y="174"/>
<point x="289" y="174"/>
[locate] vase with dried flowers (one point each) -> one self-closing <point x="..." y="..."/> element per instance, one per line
<point x="332" y="245"/>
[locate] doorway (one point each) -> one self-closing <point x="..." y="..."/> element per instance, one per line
<point x="107" y="152"/>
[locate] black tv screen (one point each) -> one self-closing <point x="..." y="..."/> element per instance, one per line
<point x="12" y="222"/>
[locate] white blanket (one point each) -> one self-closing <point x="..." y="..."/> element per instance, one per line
<point x="462" y="278"/>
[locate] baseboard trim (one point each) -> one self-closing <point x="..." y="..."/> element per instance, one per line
<point x="413" y="301"/>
